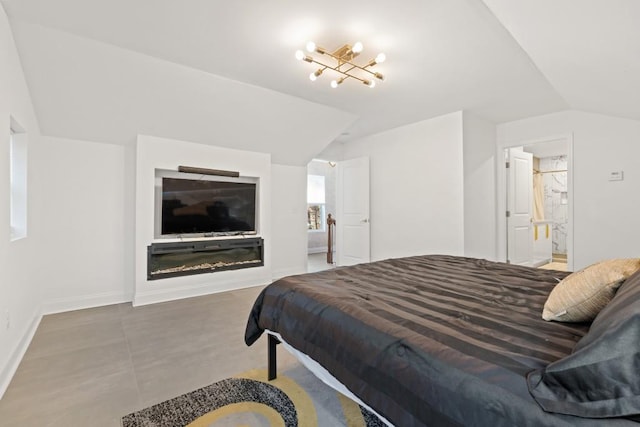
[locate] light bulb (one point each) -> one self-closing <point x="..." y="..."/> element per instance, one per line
<point x="381" y="58"/>
<point x="299" y="55"/>
<point x="311" y="47"/>
<point x="372" y="84"/>
<point x="313" y="77"/>
<point x="357" y="47"/>
<point x="334" y="84"/>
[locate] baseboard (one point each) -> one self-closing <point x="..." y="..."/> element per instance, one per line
<point x="539" y="262"/>
<point x="317" y="250"/>
<point x="59" y="305"/>
<point x="16" y="356"/>
<point x="164" y="295"/>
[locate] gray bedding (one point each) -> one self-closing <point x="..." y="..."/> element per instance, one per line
<point x="429" y="340"/>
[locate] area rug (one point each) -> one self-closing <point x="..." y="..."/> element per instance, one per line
<point x="295" y="398"/>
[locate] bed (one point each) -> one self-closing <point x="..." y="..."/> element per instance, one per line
<point x="443" y="341"/>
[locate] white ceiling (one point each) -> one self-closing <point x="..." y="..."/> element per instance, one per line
<point x="224" y="72"/>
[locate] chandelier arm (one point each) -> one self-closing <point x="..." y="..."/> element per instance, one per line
<point x="344" y="73"/>
<point x="344" y="61"/>
<point x="362" y="68"/>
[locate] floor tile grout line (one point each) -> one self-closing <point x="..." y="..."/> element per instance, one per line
<point x="133" y="366"/>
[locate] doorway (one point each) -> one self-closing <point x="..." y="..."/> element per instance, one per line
<point x="321" y="201"/>
<point x="339" y="189"/>
<point x="544" y="239"/>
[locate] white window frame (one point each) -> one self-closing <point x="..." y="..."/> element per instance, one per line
<point x="323" y="220"/>
<point x="17" y="180"/>
<point x="316" y="195"/>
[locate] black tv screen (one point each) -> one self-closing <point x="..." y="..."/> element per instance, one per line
<point x="201" y="206"/>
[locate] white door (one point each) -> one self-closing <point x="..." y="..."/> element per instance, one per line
<point x="519" y="207"/>
<point x="352" y="209"/>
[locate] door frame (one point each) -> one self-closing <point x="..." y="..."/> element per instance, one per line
<point x="501" y="192"/>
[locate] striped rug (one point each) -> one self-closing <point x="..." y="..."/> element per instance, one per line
<point x="295" y="398"/>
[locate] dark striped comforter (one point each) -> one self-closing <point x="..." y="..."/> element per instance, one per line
<point x="430" y="340"/>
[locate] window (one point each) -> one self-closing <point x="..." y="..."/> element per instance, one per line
<point x="315" y="203"/>
<point x="18" y="180"/>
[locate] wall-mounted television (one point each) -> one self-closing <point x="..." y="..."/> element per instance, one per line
<point x="204" y="205"/>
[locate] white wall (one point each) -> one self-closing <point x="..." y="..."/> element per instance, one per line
<point x="417" y="188"/>
<point x="158" y="153"/>
<point x="332" y="152"/>
<point x="82" y="241"/>
<point x="288" y="224"/>
<point x="479" y="187"/>
<point x="605" y="212"/>
<point x="19" y="297"/>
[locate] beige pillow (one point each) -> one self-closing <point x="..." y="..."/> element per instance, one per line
<point x="581" y="295"/>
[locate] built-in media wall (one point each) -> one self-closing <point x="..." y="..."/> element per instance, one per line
<point x="220" y="223"/>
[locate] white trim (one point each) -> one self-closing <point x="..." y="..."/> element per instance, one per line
<point x="501" y="205"/>
<point x="317" y="250"/>
<point x="164" y="295"/>
<point x="540" y="262"/>
<point x="60" y="305"/>
<point x="16" y="356"/>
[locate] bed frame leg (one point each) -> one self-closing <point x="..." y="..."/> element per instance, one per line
<point x="271" y="357"/>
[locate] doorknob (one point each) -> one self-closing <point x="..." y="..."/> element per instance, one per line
<point x="366" y="220"/>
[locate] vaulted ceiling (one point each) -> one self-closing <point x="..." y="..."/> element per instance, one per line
<point x="224" y="73"/>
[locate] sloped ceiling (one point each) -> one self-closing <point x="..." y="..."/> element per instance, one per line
<point x="95" y="91"/>
<point x="588" y="50"/>
<point x="224" y="73"/>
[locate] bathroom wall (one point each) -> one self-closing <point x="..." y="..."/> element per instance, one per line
<point x="556" y="206"/>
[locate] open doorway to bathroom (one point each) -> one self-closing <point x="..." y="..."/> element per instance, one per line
<point x="539" y="197"/>
<point x="321" y="201"/>
<point x="550" y="176"/>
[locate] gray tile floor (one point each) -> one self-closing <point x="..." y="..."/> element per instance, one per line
<point x="562" y="266"/>
<point x="91" y="367"/>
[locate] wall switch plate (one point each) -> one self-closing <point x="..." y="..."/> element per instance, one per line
<point x="616" y="176"/>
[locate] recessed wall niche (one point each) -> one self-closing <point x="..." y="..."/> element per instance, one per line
<point x="153" y="153"/>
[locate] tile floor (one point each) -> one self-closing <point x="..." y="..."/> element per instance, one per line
<point x="90" y="367"/>
<point x="561" y="266"/>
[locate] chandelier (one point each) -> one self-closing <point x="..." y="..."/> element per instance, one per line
<point x="342" y="63"/>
